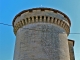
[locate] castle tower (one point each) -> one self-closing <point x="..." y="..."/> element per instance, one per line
<point x="41" y="34"/>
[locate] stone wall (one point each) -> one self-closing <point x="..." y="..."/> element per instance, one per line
<point x="41" y="41"/>
<point x="71" y="49"/>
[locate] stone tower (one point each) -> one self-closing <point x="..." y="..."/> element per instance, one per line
<point x="41" y="34"/>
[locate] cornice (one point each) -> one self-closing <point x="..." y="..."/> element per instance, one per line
<point x="41" y="9"/>
<point x="39" y="19"/>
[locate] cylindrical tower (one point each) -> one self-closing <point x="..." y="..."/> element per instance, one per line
<point x="41" y="34"/>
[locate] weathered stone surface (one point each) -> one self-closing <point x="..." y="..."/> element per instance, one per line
<point x="41" y="41"/>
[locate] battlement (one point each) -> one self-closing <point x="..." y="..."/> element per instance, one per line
<point x="41" y="15"/>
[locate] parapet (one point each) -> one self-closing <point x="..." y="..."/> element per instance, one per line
<point x="41" y="15"/>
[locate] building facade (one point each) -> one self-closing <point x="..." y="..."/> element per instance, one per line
<point x="41" y="34"/>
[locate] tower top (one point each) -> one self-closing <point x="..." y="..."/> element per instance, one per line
<point x="42" y="9"/>
<point x="52" y="15"/>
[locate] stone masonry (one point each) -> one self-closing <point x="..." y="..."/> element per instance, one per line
<point x="41" y="34"/>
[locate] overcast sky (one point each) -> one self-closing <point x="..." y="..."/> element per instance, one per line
<point x="9" y="8"/>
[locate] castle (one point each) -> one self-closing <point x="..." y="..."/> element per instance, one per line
<point x="41" y="34"/>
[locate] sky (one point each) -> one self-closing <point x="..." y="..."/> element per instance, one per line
<point x="9" y="9"/>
